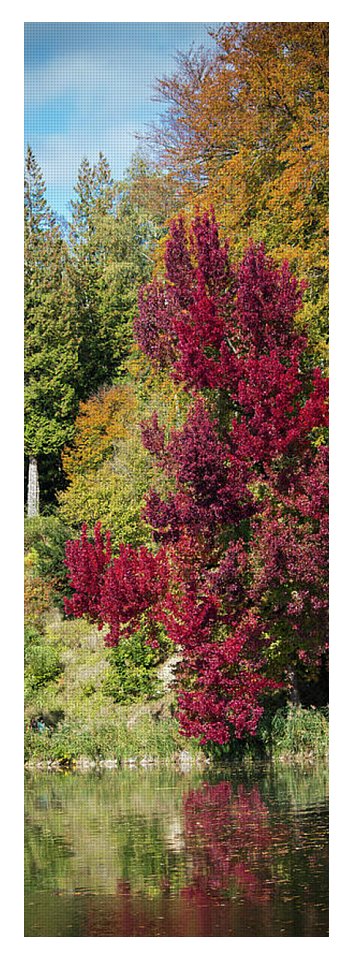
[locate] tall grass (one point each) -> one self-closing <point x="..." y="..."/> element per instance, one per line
<point x="297" y="731"/>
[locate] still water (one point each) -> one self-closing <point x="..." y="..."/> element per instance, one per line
<point x="158" y="853"/>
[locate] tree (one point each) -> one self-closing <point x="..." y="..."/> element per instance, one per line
<point x="151" y="192"/>
<point x="80" y="298"/>
<point x="108" y="470"/>
<point x="239" y="569"/>
<point x="108" y="261"/>
<point x="51" y="357"/>
<point x="246" y="130"/>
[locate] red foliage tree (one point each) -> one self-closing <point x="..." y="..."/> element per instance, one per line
<point x="240" y="577"/>
<point x="87" y="562"/>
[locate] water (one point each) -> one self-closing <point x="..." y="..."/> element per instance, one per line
<point x="159" y="853"/>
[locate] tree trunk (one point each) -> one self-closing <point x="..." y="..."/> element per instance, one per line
<point x="33" y="488"/>
<point x="294" y="690"/>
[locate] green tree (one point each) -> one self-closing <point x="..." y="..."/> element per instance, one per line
<point x="152" y="193"/>
<point x="108" y="261"/>
<point x="51" y="358"/>
<point x="80" y="302"/>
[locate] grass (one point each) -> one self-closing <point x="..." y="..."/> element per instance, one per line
<point x="300" y="732"/>
<point x="108" y="740"/>
<point x="91" y="724"/>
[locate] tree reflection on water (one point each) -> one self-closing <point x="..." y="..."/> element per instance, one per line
<point x="228" y="837"/>
<point x="160" y="854"/>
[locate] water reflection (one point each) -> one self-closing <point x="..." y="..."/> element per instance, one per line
<point x="229" y="838"/>
<point x="159" y="853"/>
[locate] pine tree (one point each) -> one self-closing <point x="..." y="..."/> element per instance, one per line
<point x="50" y="364"/>
<point x="80" y="301"/>
<point x="108" y="261"/>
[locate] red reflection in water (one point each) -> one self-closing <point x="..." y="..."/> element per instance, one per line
<point x="228" y="863"/>
<point x="131" y="915"/>
<point x="228" y="837"/>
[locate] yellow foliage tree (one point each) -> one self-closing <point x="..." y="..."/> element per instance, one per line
<point x="107" y="467"/>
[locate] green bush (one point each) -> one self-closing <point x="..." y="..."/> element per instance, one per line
<point x="42" y="664"/>
<point x="45" y="537"/>
<point x="282" y="732"/>
<point x="132" y="674"/>
<point x="31" y="636"/>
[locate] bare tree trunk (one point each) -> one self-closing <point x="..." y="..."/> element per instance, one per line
<point x="294" y="690"/>
<point x="33" y="488"/>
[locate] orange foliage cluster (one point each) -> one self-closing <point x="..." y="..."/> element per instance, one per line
<point x="247" y="132"/>
<point x="102" y="422"/>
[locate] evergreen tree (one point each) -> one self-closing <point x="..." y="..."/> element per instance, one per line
<point x="108" y="261"/>
<point x="50" y="364"/>
<point x="80" y="301"/>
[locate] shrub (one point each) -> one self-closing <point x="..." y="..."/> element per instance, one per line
<point x="31" y="635"/>
<point x="45" y="538"/>
<point x="42" y="664"/>
<point x="132" y="673"/>
<point x="298" y="731"/>
<point x="37" y="596"/>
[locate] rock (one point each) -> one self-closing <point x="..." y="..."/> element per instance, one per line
<point x="84" y="763"/>
<point x="185" y="760"/>
<point x="167" y="671"/>
<point x="145" y="762"/>
<point x="109" y="764"/>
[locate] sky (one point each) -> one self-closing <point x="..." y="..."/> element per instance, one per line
<point x="89" y="87"/>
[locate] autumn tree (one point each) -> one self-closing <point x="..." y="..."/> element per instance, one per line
<point x="107" y="468"/>
<point x="238" y="571"/>
<point x="246" y="129"/>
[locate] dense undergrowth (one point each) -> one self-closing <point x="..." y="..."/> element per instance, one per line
<point x="78" y="705"/>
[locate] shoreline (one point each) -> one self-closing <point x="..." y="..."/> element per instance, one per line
<point x="183" y="762"/>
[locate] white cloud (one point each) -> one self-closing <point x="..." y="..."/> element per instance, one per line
<point x="113" y="78"/>
<point x="97" y="98"/>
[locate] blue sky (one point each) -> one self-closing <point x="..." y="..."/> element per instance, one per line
<point x="88" y="87"/>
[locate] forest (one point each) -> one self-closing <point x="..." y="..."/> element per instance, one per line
<point x="176" y="422"/>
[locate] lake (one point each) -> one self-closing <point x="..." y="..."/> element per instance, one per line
<point x="224" y="852"/>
